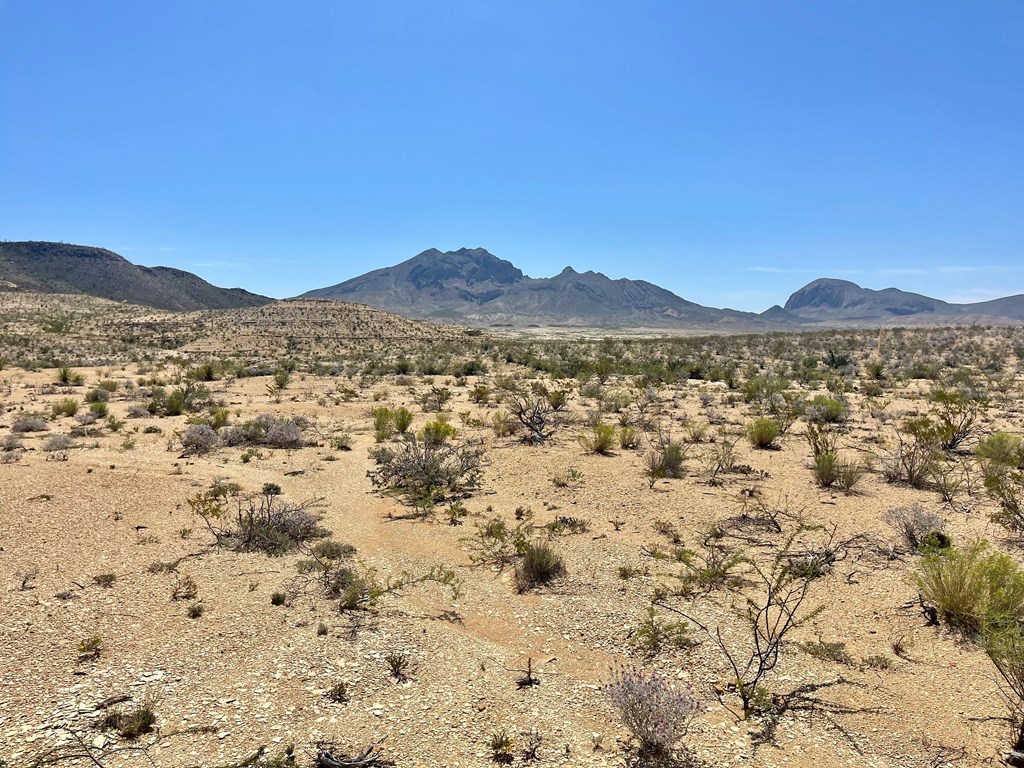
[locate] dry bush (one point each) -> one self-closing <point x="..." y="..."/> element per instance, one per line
<point x="919" y="528"/>
<point x="199" y="438"/>
<point x="260" y="523"/>
<point x="425" y="473"/>
<point x="655" y="712"/>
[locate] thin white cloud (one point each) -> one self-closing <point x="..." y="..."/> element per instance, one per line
<point x="903" y="271"/>
<point x="978" y="294"/>
<point x="778" y="270"/>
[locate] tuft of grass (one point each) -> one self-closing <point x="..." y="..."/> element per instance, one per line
<point x="540" y="564"/>
<point x="763" y="432"/>
<point x="972" y="589"/>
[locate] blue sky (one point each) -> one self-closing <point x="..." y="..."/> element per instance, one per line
<point x="729" y="151"/>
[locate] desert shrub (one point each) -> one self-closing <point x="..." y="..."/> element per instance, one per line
<point x="503" y="423"/>
<point x="497" y="543"/>
<point x="55" y="443"/>
<point x="437" y="432"/>
<point x="199" y="438"/>
<point x="822" y="438"/>
<point x="284" y="434"/>
<point x="957" y="414"/>
<point x="196" y="610"/>
<point x="260" y="523"/>
<point x="652" y="634"/>
<point x="918" y="447"/>
<point x="90" y="648"/>
<point x="998" y="453"/>
<point x="537" y="412"/>
<point x="29" y="424"/>
<point x="601" y="439"/>
<point x="426" y="473"/>
<point x="402" y="419"/>
<point x="501" y="743"/>
<point x="480" y="394"/>
<point x="185" y="588"/>
<point x="1005" y="647"/>
<point x="1002" y="458"/>
<point x="973" y="589"/>
<point x="383" y="423"/>
<point x="540" y="564"/>
<point x="98" y="408"/>
<point x="338" y="692"/>
<point x="138" y="412"/>
<point x="10" y="443"/>
<point x="629" y="438"/>
<point x="654" y="711"/>
<point x="784" y="585"/>
<point x="435" y="399"/>
<point x="850" y="473"/>
<point x="85" y="418"/>
<point x="919" y="528"/>
<point x="131" y="723"/>
<point x="69" y="378"/>
<point x="665" y="459"/>
<point x="66" y="407"/>
<point x="826" y="410"/>
<point x="97" y="395"/>
<point x="762" y="432"/>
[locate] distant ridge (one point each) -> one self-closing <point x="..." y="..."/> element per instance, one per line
<point x="827" y="299"/>
<point x="48" y="267"/>
<point x="472" y="285"/>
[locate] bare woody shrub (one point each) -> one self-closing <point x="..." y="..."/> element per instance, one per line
<point x="918" y="527"/>
<point x="424" y="472"/>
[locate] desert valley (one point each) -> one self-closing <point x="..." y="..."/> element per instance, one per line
<point x="244" y="532"/>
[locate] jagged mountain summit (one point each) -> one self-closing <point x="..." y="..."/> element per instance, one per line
<point x="47" y="267"/>
<point x="475" y="286"/>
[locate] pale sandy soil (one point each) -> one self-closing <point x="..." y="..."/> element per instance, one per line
<point x="257" y="673"/>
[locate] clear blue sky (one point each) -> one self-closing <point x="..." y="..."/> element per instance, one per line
<point x="730" y="151"/>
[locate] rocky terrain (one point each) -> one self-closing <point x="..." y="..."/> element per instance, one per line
<point x="145" y="628"/>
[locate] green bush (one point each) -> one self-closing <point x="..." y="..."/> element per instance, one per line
<point x="763" y="432"/>
<point x="600" y="440"/>
<point x="66" y="407"/>
<point x="540" y="564"/>
<point x="402" y="419"/>
<point x="823" y="409"/>
<point x="629" y="438"/>
<point x="973" y="589"/>
<point x="438" y="431"/>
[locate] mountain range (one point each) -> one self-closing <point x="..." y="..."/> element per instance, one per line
<point x="47" y="267"/>
<point x="473" y="287"/>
